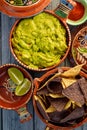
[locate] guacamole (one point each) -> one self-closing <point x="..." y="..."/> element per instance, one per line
<point x="40" y="41"/>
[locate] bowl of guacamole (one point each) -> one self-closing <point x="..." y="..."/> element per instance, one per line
<point x="41" y="42"/>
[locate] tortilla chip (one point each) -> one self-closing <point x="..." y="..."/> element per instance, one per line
<point x="50" y="109"/>
<point x="49" y="79"/>
<point x="43" y="91"/>
<point x="58" y="103"/>
<point x="83" y="85"/>
<point x="73" y="92"/>
<point x="55" y="86"/>
<point x="42" y="111"/>
<point x="44" y="100"/>
<point x="73" y="105"/>
<point x="41" y="107"/>
<point x="68" y="105"/>
<point x="75" y="114"/>
<point x="55" y="95"/>
<point x="71" y="122"/>
<point x="72" y="72"/>
<point x="56" y="116"/>
<point x="66" y="82"/>
<point x="40" y="101"/>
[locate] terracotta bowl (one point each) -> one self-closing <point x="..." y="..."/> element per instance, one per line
<point x="83" y="18"/>
<point x="40" y="81"/>
<point x="10" y="101"/>
<point x="68" y="40"/>
<point x="80" y="41"/>
<point x="23" y="11"/>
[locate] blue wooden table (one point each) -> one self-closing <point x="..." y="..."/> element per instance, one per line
<point x="9" y="119"/>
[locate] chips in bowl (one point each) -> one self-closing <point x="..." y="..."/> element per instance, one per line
<point x="65" y="107"/>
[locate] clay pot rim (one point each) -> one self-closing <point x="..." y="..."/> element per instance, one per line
<point x="23" y="11"/>
<point x="16" y="6"/>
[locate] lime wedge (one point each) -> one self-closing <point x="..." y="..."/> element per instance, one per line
<point x="23" y="88"/>
<point x="15" y="75"/>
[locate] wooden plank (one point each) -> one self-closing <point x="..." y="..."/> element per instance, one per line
<point x="38" y="124"/>
<point x="80" y="128"/>
<point x="10" y="118"/>
<point x="1" y="120"/>
<point x="11" y="121"/>
<point x="5" y="40"/>
<point x="84" y="127"/>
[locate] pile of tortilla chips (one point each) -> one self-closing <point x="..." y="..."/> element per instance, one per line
<point x="61" y="100"/>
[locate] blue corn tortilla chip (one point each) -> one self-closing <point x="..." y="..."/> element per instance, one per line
<point x="75" y="114"/>
<point x="57" y="116"/>
<point x="55" y="86"/>
<point x="83" y="85"/>
<point x="58" y="103"/>
<point x="43" y="91"/>
<point x="74" y="93"/>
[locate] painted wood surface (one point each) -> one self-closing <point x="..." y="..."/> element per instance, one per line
<point x="9" y="119"/>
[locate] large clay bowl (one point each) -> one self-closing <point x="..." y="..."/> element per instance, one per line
<point x="68" y="41"/>
<point x="37" y="83"/>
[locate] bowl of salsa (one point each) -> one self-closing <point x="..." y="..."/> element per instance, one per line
<point x="78" y="14"/>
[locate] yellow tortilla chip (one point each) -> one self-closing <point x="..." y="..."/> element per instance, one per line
<point x="42" y="98"/>
<point x="72" y="72"/>
<point x="50" y="109"/>
<point x="40" y="101"/>
<point x="73" y="104"/>
<point x="68" y="105"/>
<point x="66" y="82"/>
<point x="54" y="76"/>
<point x="55" y="95"/>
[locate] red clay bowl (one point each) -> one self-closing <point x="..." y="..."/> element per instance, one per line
<point x="78" y="45"/>
<point x="40" y="81"/>
<point x="67" y="36"/>
<point x="23" y="11"/>
<point x="13" y="102"/>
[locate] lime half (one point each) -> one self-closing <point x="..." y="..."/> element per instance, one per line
<point x="23" y="88"/>
<point x="15" y="75"/>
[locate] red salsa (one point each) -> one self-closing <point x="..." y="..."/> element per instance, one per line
<point x="77" y="12"/>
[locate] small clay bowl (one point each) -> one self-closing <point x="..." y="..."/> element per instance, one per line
<point x="10" y="101"/>
<point x="84" y="16"/>
<point x="23" y="11"/>
<point x="37" y="83"/>
<point x="80" y="41"/>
